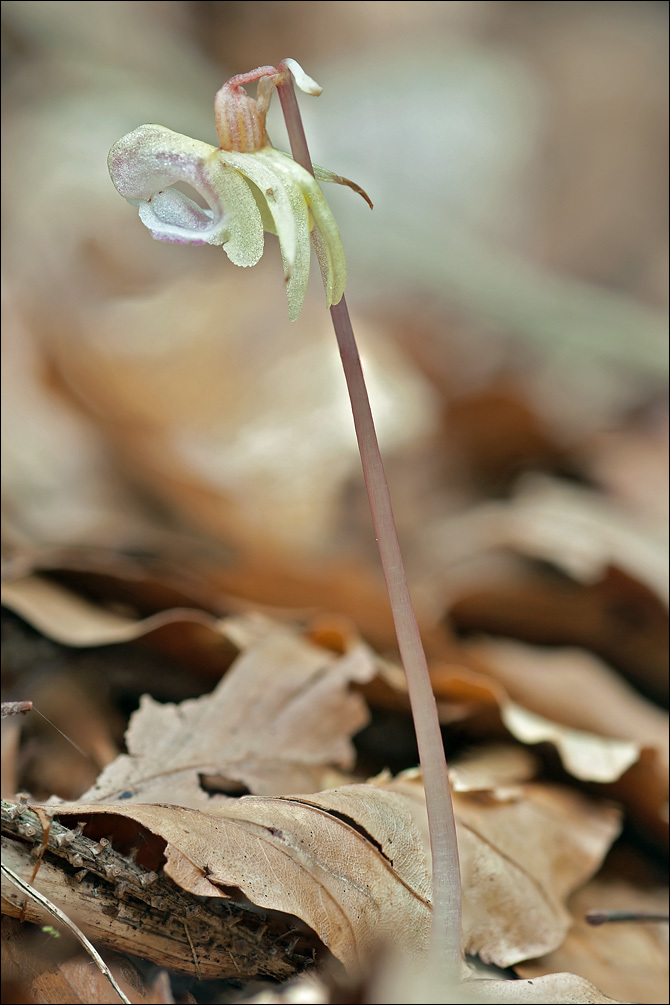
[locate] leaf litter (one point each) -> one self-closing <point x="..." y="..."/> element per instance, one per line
<point x="346" y="861"/>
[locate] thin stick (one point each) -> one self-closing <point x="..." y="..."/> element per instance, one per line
<point x="446" y="923"/>
<point x="612" y="917"/>
<point x="15" y="708"/>
<point x="63" y="918"/>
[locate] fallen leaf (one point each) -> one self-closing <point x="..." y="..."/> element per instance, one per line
<point x="628" y="959"/>
<point x="602" y="728"/>
<point x="72" y="620"/>
<point x="418" y="984"/>
<point x="582" y="533"/>
<point x="523" y="848"/>
<point x="288" y="855"/>
<point x="587" y="757"/>
<point x="554" y="989"/>
<point x="54" y="970"/>
<point x="572" y="687"/>
<point x="280" y="721"/>
<point x="354" y="862"/>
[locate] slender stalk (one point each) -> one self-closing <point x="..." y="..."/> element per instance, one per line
<point x="446" y="923"/>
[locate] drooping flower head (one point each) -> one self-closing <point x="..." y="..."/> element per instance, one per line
<point x="247" y="185"/>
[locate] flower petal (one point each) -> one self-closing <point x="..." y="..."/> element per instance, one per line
<point x="327" y="242"/>
<point x="172" y="216"/>
<point x="146" y="162"/>
<point x="323" y="174"/>
<point x="278" y="184"/>
<point x="325" y="235"/>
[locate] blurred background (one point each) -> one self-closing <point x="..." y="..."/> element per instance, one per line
<point x="509" y="290"/>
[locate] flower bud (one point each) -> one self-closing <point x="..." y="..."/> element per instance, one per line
<point x="240" y="119"/>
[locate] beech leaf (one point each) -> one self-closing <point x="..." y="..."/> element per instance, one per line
<point x="279" y="721"/>
<point x="523" y="848"/>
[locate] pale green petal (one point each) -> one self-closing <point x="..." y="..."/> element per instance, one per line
<point x="272" y="185"/>
<point x="262" y="203"/>
<point x="243" y="220"/>
<point x="297" y="277"/>
<point x="327" y="242"/>
<point x="273" y="178"/>
<point x="325" y="235"/>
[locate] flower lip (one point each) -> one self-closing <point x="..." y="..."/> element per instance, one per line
<point x="147" y="162"/>
<point x="173" y="214"/>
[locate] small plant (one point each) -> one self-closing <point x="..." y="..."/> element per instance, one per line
<point x="249" y="188"/>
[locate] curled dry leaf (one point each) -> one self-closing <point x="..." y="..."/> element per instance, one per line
<point x="559" y="566"/>
<point x="585" y="756"/>
<point x="578" y="531"/>
<point x="603" y="730"/>
<point x="554" y="989"/>
<point x="575" y="687"/>
<point x="304" y="860"/>
<point x="72" y="620"/>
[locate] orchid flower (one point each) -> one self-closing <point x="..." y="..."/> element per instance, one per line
<point x="250" y="187"/>
<point x="247" y="185"/>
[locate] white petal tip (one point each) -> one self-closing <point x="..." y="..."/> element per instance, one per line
<point x="303" y="81"/>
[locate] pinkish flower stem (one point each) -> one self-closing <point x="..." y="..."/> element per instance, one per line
<point x="446" y="923"/>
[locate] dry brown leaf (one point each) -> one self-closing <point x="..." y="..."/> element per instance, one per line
<point x="599" y="724"/>
<point x="581" y="533"/>
<point x="55" y="971"/>
<point x="554" y="989"/>
<point x="589" y="757"/>
<point x="625" y="959"/>
<point x="58" y="483"/>
<point x="178" y="399"/>
<point x="572" y="687"/>
<point x="416" y="985"/>
<point x="631" y="464"/>
<point x="280" y="721"/>
<point x="287" y="855"/>
<point x="72" y="620"/>
<point x="523" y="849"/>
<point x="354" y="862"/>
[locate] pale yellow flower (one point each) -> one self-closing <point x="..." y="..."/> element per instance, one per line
<point x="248" y="186"/>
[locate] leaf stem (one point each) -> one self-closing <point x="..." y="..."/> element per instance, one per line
<point x="446" y="922"/>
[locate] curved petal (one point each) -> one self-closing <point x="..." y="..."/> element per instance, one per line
<point x="323" y="174"/>
<point x="146" y="162"/>
<point x="172" y="216"/>
<point x="325" y="235"/>
<point x="327" y="241"/>
<point x="274" y="175"/>
<point x="262" y="171"/>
